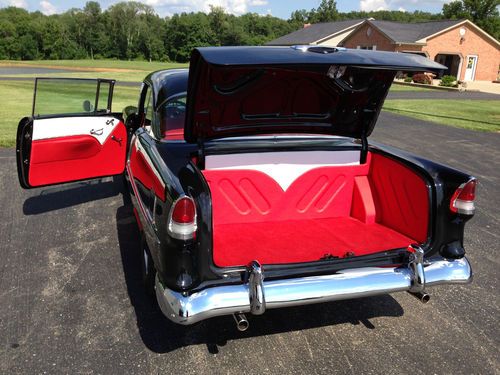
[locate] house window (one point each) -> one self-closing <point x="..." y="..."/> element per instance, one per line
<point x="368" y="47"/>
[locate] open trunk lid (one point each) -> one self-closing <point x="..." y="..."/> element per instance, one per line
<point x="238" y="91"/>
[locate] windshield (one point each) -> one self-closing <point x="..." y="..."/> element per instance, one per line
<point x="172" y="114"/>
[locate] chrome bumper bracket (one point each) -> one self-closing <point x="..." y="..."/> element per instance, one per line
<point x="416" y="265"/>
<point x="256" y="288"/>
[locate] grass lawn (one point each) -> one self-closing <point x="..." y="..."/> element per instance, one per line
<point x="106" y="64"/>
<point x="396" y="87"/>
<point x="17" y="98"/>
<point x="483" y="115"/>
<point x="135" y="70"/>
<point x="131" y="76"/>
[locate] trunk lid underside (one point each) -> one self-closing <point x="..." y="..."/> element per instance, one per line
<point x="248" y="91"/>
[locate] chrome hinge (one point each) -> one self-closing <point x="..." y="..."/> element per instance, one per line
<point x="416" y="266"/>
<point x="256" y="288"/>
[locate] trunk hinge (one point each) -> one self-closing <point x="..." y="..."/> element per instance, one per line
<point x="367" y="120"/>
<point x="201" y="153"/>
<point x="364" y="148"/>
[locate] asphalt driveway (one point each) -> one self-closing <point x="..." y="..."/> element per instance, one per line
<point x="10" y="70"/>
<point x="71" y="302"/>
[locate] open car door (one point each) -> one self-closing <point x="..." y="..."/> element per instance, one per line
<point x="71" y="135"/>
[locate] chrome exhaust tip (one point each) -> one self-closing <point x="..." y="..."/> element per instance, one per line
<point x="421" y="296"/>
<point x="241" y="322"/>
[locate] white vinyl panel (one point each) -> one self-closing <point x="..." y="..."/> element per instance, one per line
<point x="49" y="128"/>
<point x="283" y="167"/>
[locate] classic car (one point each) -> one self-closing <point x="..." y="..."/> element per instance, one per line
<point x="253" y="182"/>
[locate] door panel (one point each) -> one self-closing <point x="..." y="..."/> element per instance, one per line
<point x="74" y="148"/>
<point x="99" y="127"/>
<point x="71" y="134"/>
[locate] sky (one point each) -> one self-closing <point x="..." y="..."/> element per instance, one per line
<point x="278" y="8"/>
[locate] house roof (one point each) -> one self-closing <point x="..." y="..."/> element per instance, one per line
<point x="315" y="32"/>
<point x="400" y="32"/>
<point x="396" y="32"/>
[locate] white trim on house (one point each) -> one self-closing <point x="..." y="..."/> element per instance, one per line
<point x="343" y="31"/>
<point x="470" y="23"/>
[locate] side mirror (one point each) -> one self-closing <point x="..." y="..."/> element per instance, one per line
<point x="133" y="121"/>
<point x="127" y="111"/>
<point x="87" y="106"/>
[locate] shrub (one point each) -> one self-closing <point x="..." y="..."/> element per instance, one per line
<point x="422" y="78"/>
<point x="448" y="81"/>
<point x="408" y="79"/>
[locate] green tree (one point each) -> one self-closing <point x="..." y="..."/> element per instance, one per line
<point x="186" y="31"/>
<point x="8" y="36"/>
<point x="326" y="12"/>
<point x="57" y="41"/>
<point x="483" y="13"/>
<point x="299" y="18"/>
<point x="93" y="28"/>
<point x="219" y="24"/>
<point x="151" y="37"/>
<point x="125" y="26"/>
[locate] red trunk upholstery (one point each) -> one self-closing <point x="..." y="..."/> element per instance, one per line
<point x="296" y="241"/>
<point x="400" y="196"/>
<point x="333" y="210"/>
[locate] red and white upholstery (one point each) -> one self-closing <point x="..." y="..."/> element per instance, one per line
<point x="327" y="210"/>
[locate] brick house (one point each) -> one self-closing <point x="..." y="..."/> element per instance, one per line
<point x="468" y="51"/>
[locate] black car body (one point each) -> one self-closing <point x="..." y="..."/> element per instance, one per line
<point x="254" y="184"/>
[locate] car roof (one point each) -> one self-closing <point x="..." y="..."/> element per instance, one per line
<point x="167" y="83"/>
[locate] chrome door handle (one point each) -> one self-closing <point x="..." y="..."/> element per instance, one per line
<point x="97" y="132"/>
<point x="119" y="140"/>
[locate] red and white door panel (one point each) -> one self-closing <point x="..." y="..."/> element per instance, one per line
<point x="62" y="149"/>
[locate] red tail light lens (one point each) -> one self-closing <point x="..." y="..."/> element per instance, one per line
<point x="182" y="221"/>
<point x="462" y="201"/>
<point x="184" y="211"/>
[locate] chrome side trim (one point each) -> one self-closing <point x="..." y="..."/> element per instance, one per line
<point x="346" y="284"/>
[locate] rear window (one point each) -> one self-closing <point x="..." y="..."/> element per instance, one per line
<point x="172" y="114"/>
<point x="57" y="96"/>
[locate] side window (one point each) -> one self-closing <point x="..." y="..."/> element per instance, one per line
<point x="148" y="108"/>
<point x="172" y="117"/>
<point x="72" y="96"/>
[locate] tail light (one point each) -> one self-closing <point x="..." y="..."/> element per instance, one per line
<point x="182" y="219"/>
<point x="462" y="201"/>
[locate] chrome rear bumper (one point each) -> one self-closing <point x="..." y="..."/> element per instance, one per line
<point x="347" y="284"/>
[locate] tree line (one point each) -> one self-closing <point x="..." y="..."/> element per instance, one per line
<point x="133" y="30"/>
